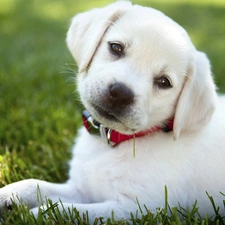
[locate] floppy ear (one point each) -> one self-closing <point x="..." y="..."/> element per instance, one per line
<point x="198" y="98"/>
<point x="87" y="29"/>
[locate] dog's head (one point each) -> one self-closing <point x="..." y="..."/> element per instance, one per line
<point x="138" y="68"/>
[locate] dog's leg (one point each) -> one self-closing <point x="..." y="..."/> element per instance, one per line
<point x="94" y="210"/>
<point x="34" y="192"/>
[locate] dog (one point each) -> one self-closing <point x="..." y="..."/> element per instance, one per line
<point x="153" y="119"/>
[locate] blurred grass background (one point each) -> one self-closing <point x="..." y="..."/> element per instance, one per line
<point x="39" y="111"/>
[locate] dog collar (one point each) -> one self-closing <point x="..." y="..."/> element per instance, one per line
<point x="112" y="137"/>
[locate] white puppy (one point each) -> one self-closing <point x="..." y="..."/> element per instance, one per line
<point x="152" y="97"/>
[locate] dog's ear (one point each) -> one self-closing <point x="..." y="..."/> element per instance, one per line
<point x="198" y="98"/>
<point x="87" y="29"/>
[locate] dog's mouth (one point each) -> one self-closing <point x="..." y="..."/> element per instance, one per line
<point x="106" y="114"/>
<point x="112" y="119"/>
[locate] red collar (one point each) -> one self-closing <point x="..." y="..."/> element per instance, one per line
<point x="113" y="137"/>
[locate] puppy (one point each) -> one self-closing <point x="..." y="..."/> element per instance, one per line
<point x="152" y="119"/>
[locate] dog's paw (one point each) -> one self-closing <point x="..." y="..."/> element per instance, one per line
<point x="8" y="195"/>
<point x="22" y="192"/>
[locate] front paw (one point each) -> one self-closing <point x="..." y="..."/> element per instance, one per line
<point x="22" y="192"/>
<point x="8" y="195"/>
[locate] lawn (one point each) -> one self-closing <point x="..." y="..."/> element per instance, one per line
<point x="39" y="109"/>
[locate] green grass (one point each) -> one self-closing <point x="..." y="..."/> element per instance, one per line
<point x="39" y="110"/>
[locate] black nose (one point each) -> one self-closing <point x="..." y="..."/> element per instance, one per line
<point x="119" y="96"/>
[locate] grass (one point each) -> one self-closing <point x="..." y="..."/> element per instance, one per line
<point x="39" y="110"/>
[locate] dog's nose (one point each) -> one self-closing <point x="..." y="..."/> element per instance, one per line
<point x="119" y="96"/>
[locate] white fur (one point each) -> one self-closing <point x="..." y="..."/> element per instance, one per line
<point x="189" y="160"/>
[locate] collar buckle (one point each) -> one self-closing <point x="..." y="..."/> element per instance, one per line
<point x="97" y="129"/>
<point x="105" y="134"/>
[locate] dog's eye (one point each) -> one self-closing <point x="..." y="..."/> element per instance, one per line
<point x="116" y="48"/>
<point x="163" y="82"/>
